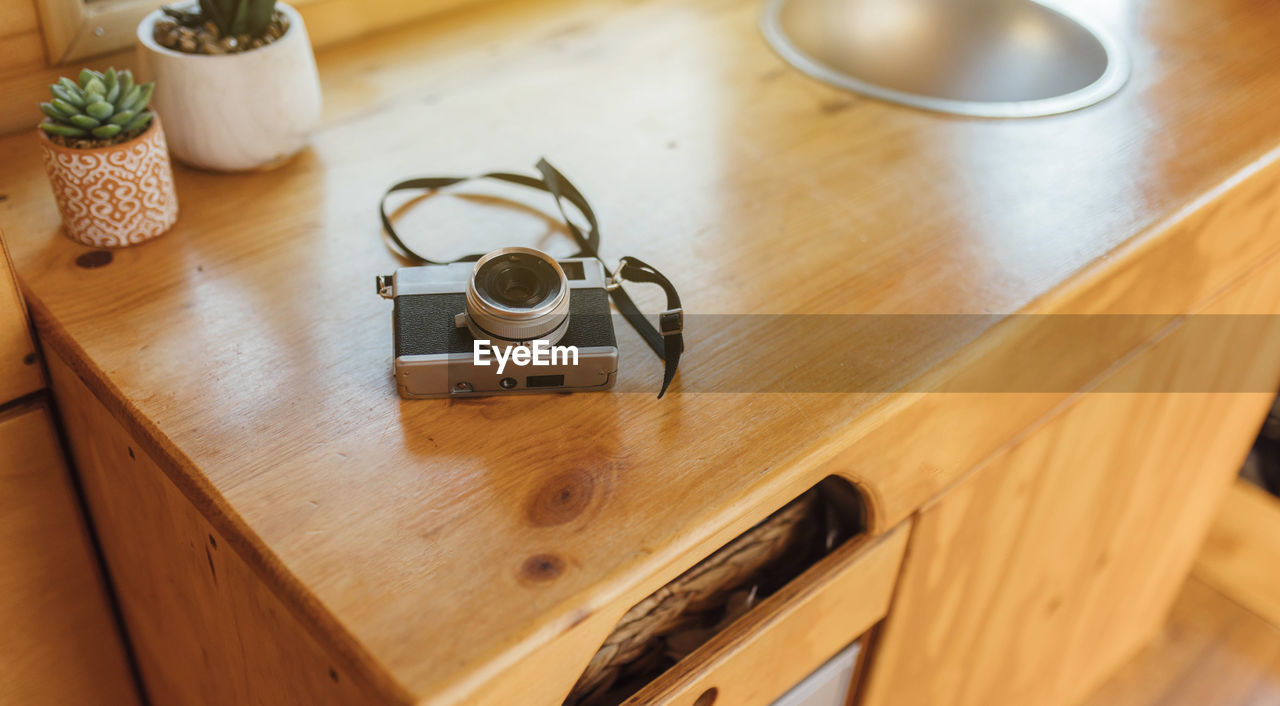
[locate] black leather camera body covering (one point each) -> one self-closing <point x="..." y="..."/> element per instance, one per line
<point x="423" y="323"/>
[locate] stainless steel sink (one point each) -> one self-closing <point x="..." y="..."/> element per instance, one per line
<point x="989" y="58"/>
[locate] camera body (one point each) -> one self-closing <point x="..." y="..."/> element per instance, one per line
<point x="457" y="327"/>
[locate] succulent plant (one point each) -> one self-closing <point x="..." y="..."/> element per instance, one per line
<point x="231" y="17"/>
<point x="101" y="106"/>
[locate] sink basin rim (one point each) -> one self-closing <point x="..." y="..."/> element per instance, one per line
<point x="1112" y="79"/>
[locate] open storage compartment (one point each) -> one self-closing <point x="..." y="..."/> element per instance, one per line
<point x="755" y="617"/>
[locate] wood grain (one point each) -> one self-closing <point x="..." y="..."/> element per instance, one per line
<point x="247" y="352"/>
<point x="204" y="629"/>
<point x="19" y="368"/>
<point x="1052" y="564"/>
<point x="60" y="644"/>
<point x="62" y="23"/>
<point x="23" y="54"/>
<point x="76" y="30"/>
<point x="26" y="70"/>
<point x="912" y="446"/>
<point x="1241" y="557"/>
<point x="43" y="39"/>
<point x="784" y="639"/>
<point x="1036" y="579"/>
<point x="18" y="18"/>
<point x="334" y="21"/>
<point x="1211" y="652"/>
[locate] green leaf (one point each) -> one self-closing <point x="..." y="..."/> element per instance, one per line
<point x="145" y="97"/>
<point x="139" y="121"/>
<point x="60" y="129"/>
<point x="182" y="17"/>
<point x="106" y="131"/>
<point x="91" y="75"/>
<point x="130" y="100"/>
<point x="48" y="109"/>
<point x="122" y="118"/>
<point x="84" y="121"/>
<point x="113" y="87"/>
<point x="95" y="85"/>
<point x="65" y="107"/>
<point x="217" y="12"/>
<point x="69" y="85"/>
<point x="238" y="19"/>
<point x="258" y="17"/>
<point x="126" y="82"/>
<point x="100" y="110"/>
<point x="72" y="96"/>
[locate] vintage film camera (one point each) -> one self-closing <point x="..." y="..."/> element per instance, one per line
<point x="515" y="321"/>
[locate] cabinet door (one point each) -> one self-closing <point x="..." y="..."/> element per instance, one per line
<point x="1042" y="572"/>
<point x="58" y="640"/>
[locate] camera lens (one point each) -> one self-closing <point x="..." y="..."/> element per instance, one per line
<point x="517" y="287"/>
<point x="517" y="281"/>
<point x="517" y="295"/>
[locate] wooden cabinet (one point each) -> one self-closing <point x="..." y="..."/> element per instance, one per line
<point x="209" y="629"/>
<point x="205" y="626"/>
<point x="59" y="643"/>
<point x="283" y="528"/>
<point x="59" y="639"/>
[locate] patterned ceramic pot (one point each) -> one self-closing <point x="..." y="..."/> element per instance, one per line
<point x="113" y="196"/>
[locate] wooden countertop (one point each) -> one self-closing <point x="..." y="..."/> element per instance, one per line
<point x="438" y="543"/>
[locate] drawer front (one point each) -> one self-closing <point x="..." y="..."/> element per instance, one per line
<point x="789" y="635"/>
<point x="19" y="371"/>
<point x="59" y="643"/>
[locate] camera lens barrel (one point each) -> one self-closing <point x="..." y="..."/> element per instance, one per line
<point x="517" y="295"/>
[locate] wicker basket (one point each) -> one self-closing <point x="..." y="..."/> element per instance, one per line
<point x="677" y="618"/>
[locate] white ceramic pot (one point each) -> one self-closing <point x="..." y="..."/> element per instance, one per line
<point x="235" y="112"/>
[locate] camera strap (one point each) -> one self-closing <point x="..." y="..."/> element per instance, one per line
<point x="666" y="340"/>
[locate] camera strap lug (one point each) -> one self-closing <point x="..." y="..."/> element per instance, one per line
<point x="614" y="280"/>
<point x="386" y="286"/>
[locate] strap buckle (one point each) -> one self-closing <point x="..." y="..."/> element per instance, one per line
<point x="671" y="322"/>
